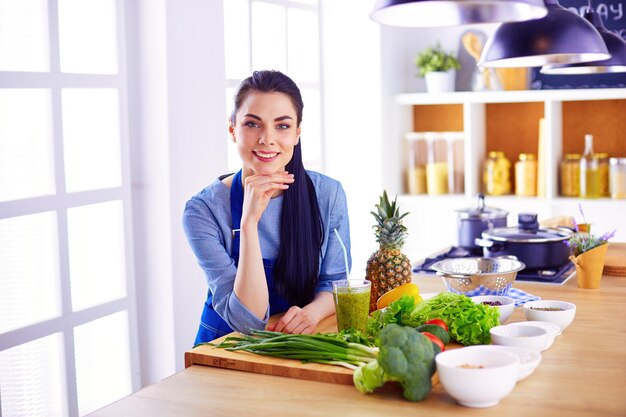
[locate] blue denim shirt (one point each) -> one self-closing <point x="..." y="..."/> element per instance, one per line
<point x="207" y="225"/>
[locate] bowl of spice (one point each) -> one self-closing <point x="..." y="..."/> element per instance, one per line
<point x="506" y="305"/>
<point x="558" y="312"/>
<point x="478" y="376"/>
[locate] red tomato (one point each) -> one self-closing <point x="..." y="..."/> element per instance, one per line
<point x="435" y="340"/>
<point x="438" y="322"/>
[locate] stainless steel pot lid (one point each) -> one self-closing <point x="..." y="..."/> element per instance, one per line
<point x="482" y="212"/>
<point x="519" y="235"/>
<point x="527" y="231"/>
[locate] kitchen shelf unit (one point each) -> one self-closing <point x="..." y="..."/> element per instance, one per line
<point x="509" y="121"/>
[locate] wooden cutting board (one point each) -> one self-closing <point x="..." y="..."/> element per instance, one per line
<point x="250" y="362"/>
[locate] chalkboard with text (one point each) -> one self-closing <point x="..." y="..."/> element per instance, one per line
<point x="613" y="16"/>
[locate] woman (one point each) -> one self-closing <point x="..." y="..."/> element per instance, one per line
<point x="265" y="236"/>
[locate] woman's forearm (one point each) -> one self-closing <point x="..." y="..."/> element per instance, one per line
<point x="250" y="283"/>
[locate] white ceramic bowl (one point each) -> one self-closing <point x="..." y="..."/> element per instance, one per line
<point x="478" y="377"/>
<point x="552" y="329"/>
<point x="531" y="337"/>
<point x="561" y="318"/>
<point x="529" y="359"/>
<point x="506" y="307"/>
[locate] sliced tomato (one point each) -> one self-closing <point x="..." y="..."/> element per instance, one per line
<point x="435" y="340"/>
<point x="438" y="322"/>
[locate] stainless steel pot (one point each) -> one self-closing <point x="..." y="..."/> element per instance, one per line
<point x="536" y="247"/>
<point x="472" y="221"/>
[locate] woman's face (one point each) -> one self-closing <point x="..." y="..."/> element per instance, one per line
<point x="265" y="132"/>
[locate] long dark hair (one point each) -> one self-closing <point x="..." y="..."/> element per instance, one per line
<point x="301" y="231"/>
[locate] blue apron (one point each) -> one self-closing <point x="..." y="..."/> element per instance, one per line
<point x="212" y="325"/>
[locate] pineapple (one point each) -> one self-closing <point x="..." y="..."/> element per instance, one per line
<point x="388" y="268"/>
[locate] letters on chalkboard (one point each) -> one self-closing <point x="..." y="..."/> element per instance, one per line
<point x="613" y="16"/>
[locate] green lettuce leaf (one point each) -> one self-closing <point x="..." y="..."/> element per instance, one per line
<point x="468" y="323"/>
<point x="398" y="312"/>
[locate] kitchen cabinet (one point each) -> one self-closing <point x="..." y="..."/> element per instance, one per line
<point x="507" y="121"/>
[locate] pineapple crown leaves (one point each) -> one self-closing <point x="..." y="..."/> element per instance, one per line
<point x="390" y="232"/>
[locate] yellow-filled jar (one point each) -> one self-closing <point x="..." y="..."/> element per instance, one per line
<point x="570" y="175"/>
<point x="603" y="173"/>
<point x="497" y="174"/>
<point x="526" y="175"/>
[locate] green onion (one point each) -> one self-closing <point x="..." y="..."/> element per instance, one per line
<point x="316" y="348"/>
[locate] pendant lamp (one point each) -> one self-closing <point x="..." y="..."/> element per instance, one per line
<point x="615" y="44"/>
<point x="433" y="13"/>
<point x="561" y="37"/>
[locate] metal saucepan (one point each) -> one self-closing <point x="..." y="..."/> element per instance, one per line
<point x="536" y="247"/>
<point x="473" y="221"/>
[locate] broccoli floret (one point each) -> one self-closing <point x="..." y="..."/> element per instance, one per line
<point x="406" y="356"/>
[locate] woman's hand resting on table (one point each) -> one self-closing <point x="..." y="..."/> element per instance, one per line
<point x="295" y="320"/>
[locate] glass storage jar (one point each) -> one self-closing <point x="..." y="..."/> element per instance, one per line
<point x="589" y="172"/>
<point x="416" y="163"/>
<point x="570" y="175"/>
<point x="617" y="177"/>
<point x="497" y="177"/>
<point x="526" y="175"/>
<point x="603" y="174"/>
<point x="436" y="164"/>
<point x="456" y="164"/>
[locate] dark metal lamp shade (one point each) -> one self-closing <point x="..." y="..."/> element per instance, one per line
<point x="615" y="45"/>
<point x="561" y="37"/>
<point x="434" y="13"/>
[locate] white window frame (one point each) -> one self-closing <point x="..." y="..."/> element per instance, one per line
<point x="61" y="201"/>
<point x="234" y="82"/>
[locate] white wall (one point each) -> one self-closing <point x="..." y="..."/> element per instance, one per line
<point x="352" y="111"/>
<point x="178" y="147"/>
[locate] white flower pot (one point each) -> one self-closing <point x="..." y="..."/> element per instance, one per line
<point x="440" y="82"/>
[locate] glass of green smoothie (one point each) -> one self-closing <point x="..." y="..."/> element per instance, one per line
<point x="352" y="303"/>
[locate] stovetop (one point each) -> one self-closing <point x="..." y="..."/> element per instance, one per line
<point x="556" y="276"/>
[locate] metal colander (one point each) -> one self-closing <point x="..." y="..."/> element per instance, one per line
<point x="478" y="276"/>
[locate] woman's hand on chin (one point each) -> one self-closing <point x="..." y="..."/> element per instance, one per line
<point x="259" y="189"/>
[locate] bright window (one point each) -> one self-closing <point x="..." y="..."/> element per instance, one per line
<point x="25" y="144"/>
<point x="66" y="316"/>
<point x="29" y="288"/>
<point x="91" y="132"/>
<point x="88" y="36"/>
<point x="277" y="35"/>
<point x="24" y="35"/>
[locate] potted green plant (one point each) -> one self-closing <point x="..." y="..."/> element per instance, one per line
<point x="438" y="68"/>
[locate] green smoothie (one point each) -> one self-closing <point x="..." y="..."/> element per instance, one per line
<point x="352" y="306"/>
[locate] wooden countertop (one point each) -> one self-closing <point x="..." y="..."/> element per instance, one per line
<point x="582" y="374"/>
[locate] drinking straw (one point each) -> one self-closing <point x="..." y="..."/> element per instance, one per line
<point x="345" y="256"/>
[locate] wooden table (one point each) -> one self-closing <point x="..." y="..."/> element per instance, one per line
<point x="582" y="374"/>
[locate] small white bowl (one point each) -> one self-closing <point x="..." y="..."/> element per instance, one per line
<point x="506" y="307"/>
<point x="531" y="337"/>
<point x="552" y="329"/>
<point x="529" y="359"/>
<point x="478" y="377"/>
<point x="561" y="318"/>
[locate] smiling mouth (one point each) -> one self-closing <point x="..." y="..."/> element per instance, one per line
<point x="265" y="156"/>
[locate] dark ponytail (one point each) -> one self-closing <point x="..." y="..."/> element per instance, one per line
<point x="301" y="230"/>
<point x="301" y="235"/>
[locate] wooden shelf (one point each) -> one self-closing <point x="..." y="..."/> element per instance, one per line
<point x="509" y="121"/>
